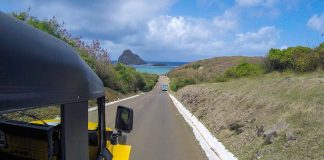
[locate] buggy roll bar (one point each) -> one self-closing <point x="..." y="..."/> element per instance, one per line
<point x="37" y="69"/>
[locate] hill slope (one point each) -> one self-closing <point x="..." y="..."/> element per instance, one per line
<point x="208" y="69"/>
<point x="274" y="116"/>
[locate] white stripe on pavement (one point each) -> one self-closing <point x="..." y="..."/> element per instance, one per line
<point x="95" y="108"/>
<point x="214" y="149"/>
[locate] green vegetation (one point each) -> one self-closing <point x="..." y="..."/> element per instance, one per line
<point x="320" y="51"/>
<point x="150" y="81"/>
<point x="244" y="70"/>
<point x="177" y="83"/>
<point x="210" y="70"/>
<point x="195" y="66"/>
<point x="298" y="59"/>
<point x="118" y="77"/>
<point x="293" y="59"/>
<point x="125" y="79"/>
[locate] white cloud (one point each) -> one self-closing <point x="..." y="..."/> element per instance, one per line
<point x="185" y="35"/>
<point x="105" y="17"/>
<point x="169" y="29"/>
<point x="201" y="37"/>
<point x="316" y="22"/>
<point x="260" y="41"/>
<point x="144" y="27"/>
<point x="227" y="21"/>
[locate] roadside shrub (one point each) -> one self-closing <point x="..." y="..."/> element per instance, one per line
<point x="195" y="66"/>
<point x="89" y="52"/>
<point x="304" y="59"/>
<point x="177" y="83"/>
<point x="221" y="78"/>
<point x="243" y="70"/>
<point x="279" y="59"/>
<point x="124" y="79"/>
<point x="90" y="60"/>
<point x="150" y="81"/>
<point x="320" y="52"/>
<point x="128" y="79"/>
<point x="107" y="73"/>
<point x="299" y="59"/>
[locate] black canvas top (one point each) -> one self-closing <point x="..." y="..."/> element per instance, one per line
<point x="37" y="69"/>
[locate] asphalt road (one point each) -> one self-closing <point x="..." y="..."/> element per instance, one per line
<point x="159" y="131"/>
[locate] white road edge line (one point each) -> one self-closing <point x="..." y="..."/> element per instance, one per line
<point x="214" y="149"/>
<point x="95" y="108"/>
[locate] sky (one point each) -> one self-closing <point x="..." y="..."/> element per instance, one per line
<point x="185" y="30"/>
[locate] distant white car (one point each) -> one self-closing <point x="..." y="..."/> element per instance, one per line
<point x="164" y="87"/>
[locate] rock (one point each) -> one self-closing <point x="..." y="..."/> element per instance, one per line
<point x="259" y="131"/>
<point x="280" y="126"/>
<point x="286" y="145"/>
<point x="129" y="58"/>
<point x="251" y="120"/>
<point x="221" y="127"/>
<point x="257" y="155"/>
<point x="290" y="136"/>
<point x="269" y="136"/>
<point x="236" y="127"/>
<point x="268" y="139"/>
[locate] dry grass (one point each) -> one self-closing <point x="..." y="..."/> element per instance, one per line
<point x="285" y="102"/>
<point x="43" y="113"/>
<point x="211" y="68"/>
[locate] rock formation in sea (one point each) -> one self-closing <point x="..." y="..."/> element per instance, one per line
<point x="129" y="58"/>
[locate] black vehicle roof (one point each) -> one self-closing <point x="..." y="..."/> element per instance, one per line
<point x="37" y="69"/>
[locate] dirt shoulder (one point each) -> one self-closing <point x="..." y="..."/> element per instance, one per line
<point x="276" y="116"/>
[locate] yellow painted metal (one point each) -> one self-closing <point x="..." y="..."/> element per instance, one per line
<point x="119" y="151"/>
<point x="46" y="121"/>
<point x="92" y="126"/>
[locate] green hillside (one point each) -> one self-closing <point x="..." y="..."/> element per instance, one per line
<point x="208" y="70"/>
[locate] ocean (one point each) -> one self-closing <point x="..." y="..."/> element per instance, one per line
<point x="149" y="68"/>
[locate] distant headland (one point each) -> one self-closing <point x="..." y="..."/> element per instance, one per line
<point x="129" y="58"/>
